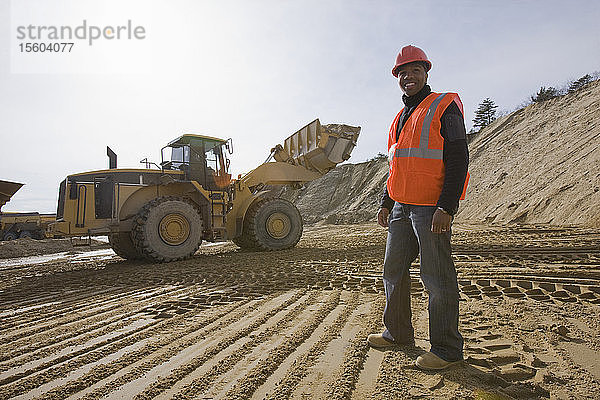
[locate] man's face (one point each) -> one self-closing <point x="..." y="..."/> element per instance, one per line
<point x="411" y="78"/>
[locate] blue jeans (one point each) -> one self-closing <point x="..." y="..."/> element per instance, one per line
<point x="409" y="235"/>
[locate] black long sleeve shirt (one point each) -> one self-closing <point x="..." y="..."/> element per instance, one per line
<point x="455" y="152"/>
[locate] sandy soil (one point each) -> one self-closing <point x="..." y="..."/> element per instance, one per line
<point x="229" y="324"/>
<point x="540" y="164"/>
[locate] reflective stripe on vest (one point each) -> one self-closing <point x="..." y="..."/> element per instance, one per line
<point x="423" y="151"/>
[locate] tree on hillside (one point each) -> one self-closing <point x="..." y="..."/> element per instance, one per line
<point x="544" y="94"/>
<point x="378" y="157"/>
<point x="579" y="83"/>
<point x="485" y="114"/>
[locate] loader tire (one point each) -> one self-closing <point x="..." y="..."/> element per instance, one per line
<point x="25" y="234"/>
<point x="167" y="229"/>
<point x="273" y="224"/>
<point x="122" y="245"/>
<point x="244" y="242"/>
<point x="10" y="236"/>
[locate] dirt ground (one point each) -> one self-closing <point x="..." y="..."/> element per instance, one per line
<point x="229" y="324"/>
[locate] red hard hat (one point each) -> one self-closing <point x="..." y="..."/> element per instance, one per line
<point x="410" y="54"/>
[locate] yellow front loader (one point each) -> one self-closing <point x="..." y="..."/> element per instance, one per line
<point x="163" y="213"/>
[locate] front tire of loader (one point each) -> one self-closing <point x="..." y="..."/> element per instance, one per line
<point x="273" y="224"/>
<point x="167" y="229"/>
<point x="122" y="245"/>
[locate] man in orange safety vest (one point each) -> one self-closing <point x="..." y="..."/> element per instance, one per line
<point x="428" y="162"/>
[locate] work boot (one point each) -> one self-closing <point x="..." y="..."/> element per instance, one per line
<point x="430" y="362"/>
<point x="378" y="341"/>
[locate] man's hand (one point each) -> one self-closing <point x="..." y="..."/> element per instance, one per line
<point x="441" y="222"/>
<point x="382" y="217"/>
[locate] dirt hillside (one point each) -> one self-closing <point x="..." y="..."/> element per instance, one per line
<point x="540" y="164"/>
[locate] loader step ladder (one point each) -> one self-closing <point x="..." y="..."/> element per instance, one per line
<point x="219" y="214"/>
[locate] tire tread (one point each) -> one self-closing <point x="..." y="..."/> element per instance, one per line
<point x="138" y="237"/>
<point x="251" y="234"/>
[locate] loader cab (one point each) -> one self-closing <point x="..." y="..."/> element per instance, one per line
<point x="202" y="158"/>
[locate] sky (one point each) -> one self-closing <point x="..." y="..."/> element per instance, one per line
<point x="256" y="71"/>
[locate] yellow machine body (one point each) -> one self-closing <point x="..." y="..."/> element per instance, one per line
<point x="124" y="203"/>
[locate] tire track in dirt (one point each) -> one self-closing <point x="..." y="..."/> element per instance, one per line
<point x="75" y="330"/>
<point x="60" y="320"/>
<point x="73" y="301"/>
<point x="16" y="312"/>
<point x="140" y="374"/>
<point x="368" y="377"/>
<point x="47" y="345"/>
<point x="325" y="373"/>
<point x="333" y="360"/>
<point x="132" y="366"/>
<point x="94" y="351"/>
<point x="42" y="374"/>
<point x="242" y="346"/>
<point x="491" y="352"/>
<point x="517" y="352"/>
<point x="201" y="384"/>
<point x="46" y="309"/>
<point x="163" y="340"/>
<point x="63" y="351"/>
<point x="298" y="368"/>
<point x="356" y="354"/>
<point x="253" y="379"/>
<point x="276" y="340"/>
<point x="176" y="342"/>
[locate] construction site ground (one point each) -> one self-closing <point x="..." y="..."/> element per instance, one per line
<point x="229" y="324"/>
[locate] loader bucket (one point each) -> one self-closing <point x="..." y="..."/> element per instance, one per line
<point x="7" y="190"/>
<point x="317" y="147"/>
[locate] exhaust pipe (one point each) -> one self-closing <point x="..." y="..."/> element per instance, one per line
<point x="112" y="158"/>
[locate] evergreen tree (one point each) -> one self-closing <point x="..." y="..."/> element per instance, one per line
<point x="579" y="83"/>
<point x="378" y="157"/>
<point x="544" y="94"/>
<point x="485" y="114"/>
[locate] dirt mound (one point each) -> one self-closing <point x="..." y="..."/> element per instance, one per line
<point x="30" y="247"/>
<point x="540" y="164"/>
<point x="349" y="193"/>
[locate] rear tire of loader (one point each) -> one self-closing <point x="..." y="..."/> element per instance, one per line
<point x="167" y="229"/>
<point x="122" y="244"/>
<point x="25" y="234"/>
<point x="273" y="224"/>
<point x="10" y="236"/>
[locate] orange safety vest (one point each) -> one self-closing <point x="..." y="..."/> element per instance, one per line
<point x="416" y="159"/>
